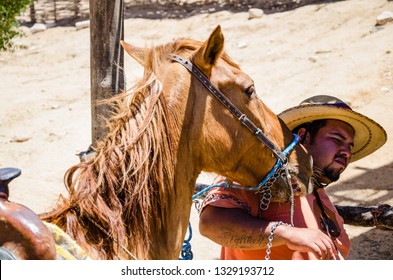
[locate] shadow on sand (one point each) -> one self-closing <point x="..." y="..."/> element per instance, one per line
<point x="181" y="10"/>
<point x="378" y="184"/>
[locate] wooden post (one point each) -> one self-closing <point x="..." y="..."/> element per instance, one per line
<point x="106" y="59"/>
<point x="33" y="18"/>
<point x="55" y="10"/>
<point x="76" y="8"/>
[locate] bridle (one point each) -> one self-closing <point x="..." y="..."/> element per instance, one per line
<point x="264" y="187"/>
<point x="279" y="169"/>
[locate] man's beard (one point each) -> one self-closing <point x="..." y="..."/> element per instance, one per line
<point x="325" y="176"/>
<point x="331" y="174"/>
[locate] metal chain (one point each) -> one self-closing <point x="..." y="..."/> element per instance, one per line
<point x="198" y="205"/>
<point x="264" y="188"/>
<point x="277" y="224"/>
<point x="271" y="236"/>
<point x="265" y="192"/>
<point x="292" y="196"/>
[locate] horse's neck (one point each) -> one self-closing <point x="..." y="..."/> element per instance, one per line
<point x="186" y="172"/>
<point x="167" y="242"/>
<point x="179" y="216"/>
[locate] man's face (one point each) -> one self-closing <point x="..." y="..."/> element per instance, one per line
<point x="331" y="149"/>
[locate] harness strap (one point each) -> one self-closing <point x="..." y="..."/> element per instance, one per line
<point x="229" y="105"/>
<point x="278" y="169"/>
<point x="327" y="224"/>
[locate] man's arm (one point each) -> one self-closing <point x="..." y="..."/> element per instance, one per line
<point x="234" y="228"/>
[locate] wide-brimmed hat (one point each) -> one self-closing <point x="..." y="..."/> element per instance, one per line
<point x="369" y="135"/>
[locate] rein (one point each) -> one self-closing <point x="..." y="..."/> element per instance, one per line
<point x="281" y="164"/>
<point x="229" y="105"/>
<point x="279" y="169"/>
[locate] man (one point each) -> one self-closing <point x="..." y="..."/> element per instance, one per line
<point x="334" y="135"/>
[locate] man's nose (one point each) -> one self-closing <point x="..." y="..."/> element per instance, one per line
<point x="346" y="151"/>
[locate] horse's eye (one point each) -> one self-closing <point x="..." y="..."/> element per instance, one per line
<point x="250" y="90"/>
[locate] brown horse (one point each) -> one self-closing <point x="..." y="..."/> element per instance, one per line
<point x="133" y="199"/>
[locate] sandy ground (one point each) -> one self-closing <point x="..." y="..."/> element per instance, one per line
<point x="317" y="49"/>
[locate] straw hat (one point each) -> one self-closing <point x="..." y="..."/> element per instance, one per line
<point x="369" y="135"/>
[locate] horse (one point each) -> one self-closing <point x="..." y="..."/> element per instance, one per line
<point x="132" y="200"/>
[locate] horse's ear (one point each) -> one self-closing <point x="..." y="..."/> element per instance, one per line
<point x="139" y="54"/>
<point x="211" y="50"/>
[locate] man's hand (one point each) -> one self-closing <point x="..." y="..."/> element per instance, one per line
<point x="308" y="240"/>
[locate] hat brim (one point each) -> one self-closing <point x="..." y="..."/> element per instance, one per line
<point x="369" y="135"/>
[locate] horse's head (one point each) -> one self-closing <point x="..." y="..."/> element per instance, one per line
<point x="215" y="137"/>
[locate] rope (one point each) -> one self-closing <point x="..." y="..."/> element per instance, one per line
<point x="263" y="187"/>
<point x="282" y="160"/>
<point x="186" y="253"/>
